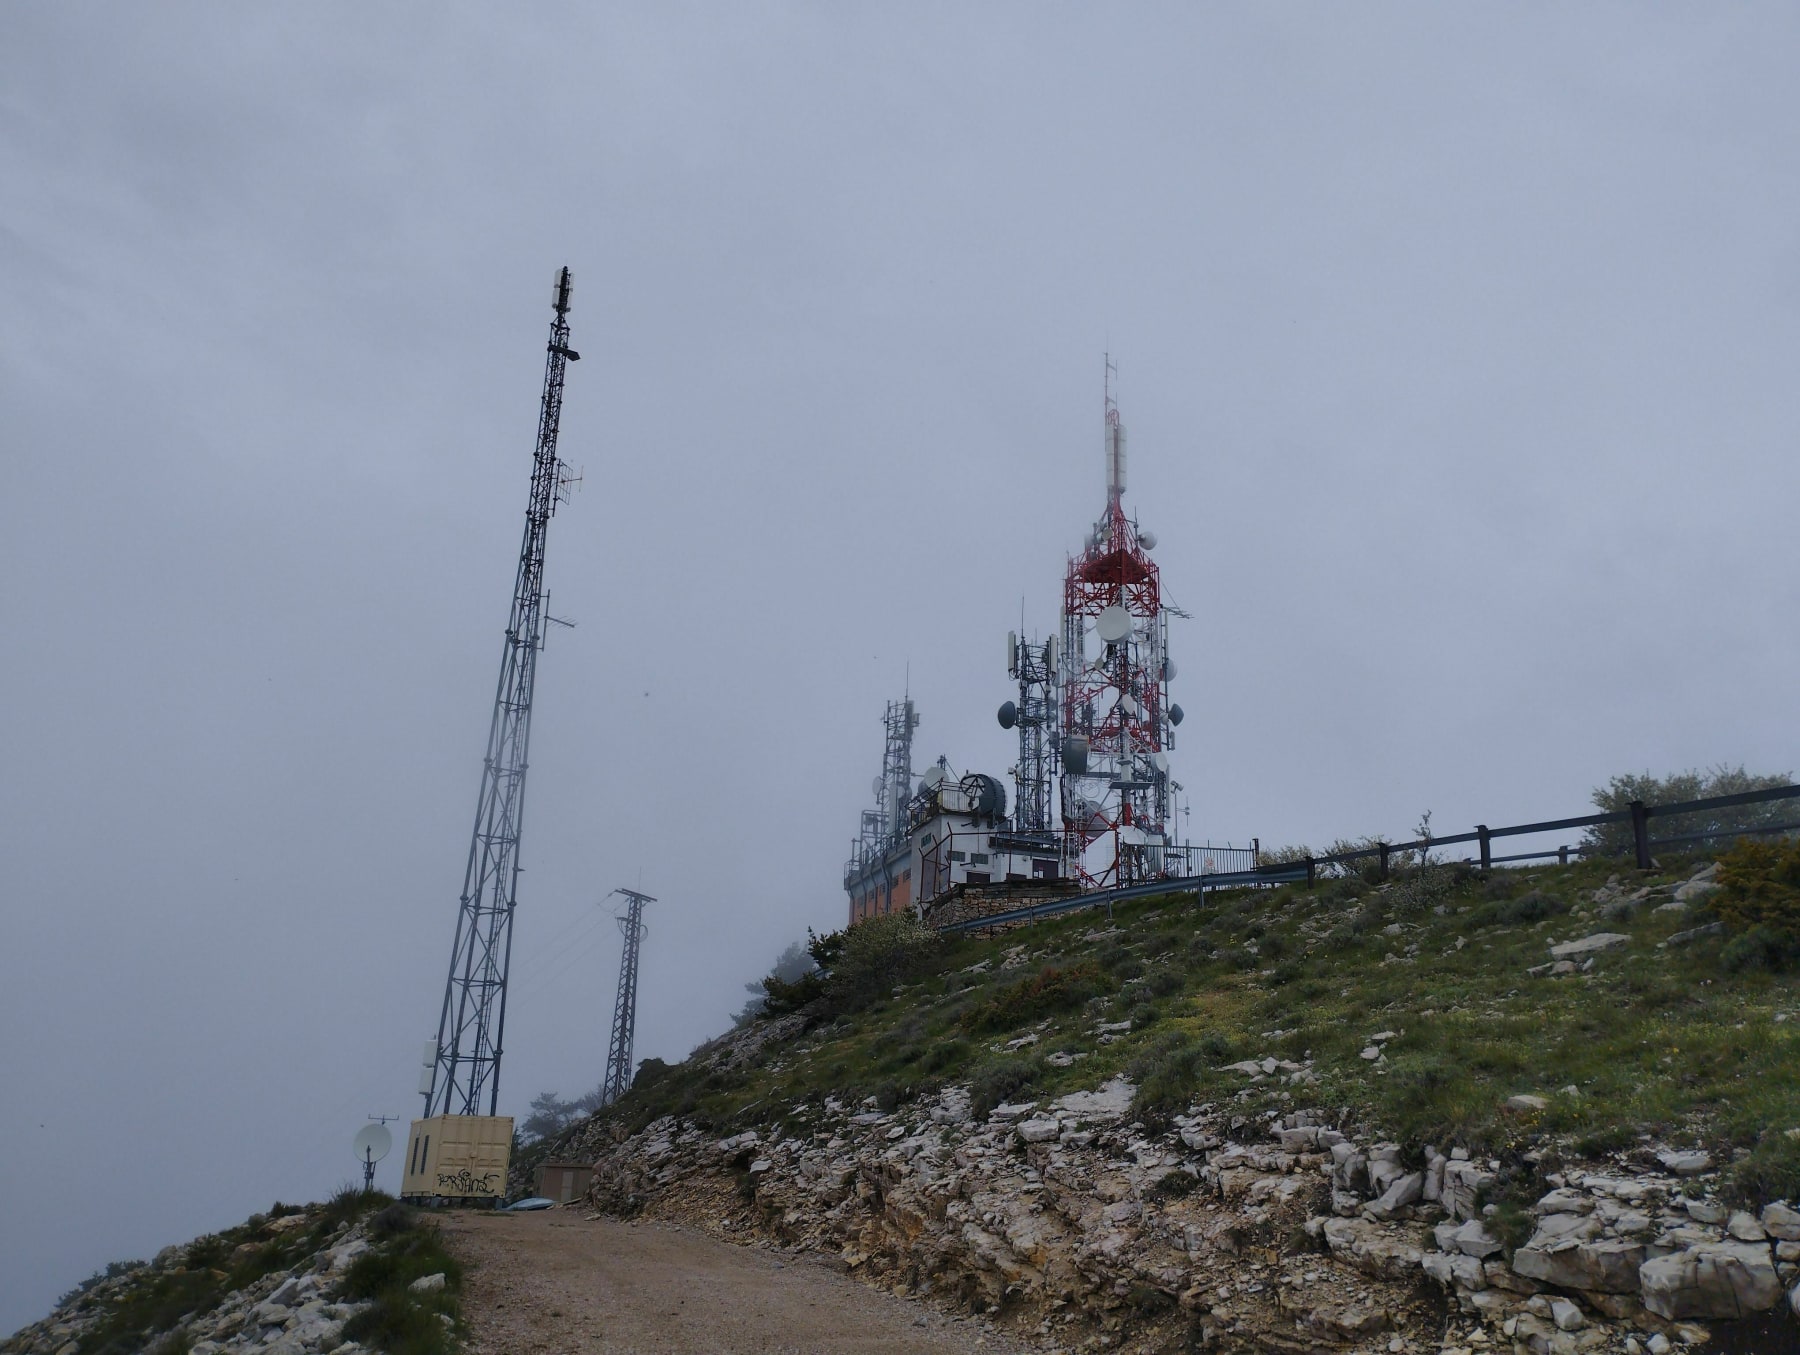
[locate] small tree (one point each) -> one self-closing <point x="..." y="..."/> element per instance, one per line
<point x="791" y="966"/>
<point x="549" y="1116"/>
<point x="1615" y="797"/>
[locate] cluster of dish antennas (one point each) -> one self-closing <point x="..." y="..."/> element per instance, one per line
<point x="976" y="793"/>
<point x="1102" y="535"/>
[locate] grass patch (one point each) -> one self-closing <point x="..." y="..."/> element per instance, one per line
<point x="1672" y="1042"/>
<point x="400" y="1320"/>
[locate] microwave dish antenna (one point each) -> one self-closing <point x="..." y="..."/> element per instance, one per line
<point x="372" y="1143"/>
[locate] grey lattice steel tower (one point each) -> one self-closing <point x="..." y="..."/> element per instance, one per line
<point x="1034" y="715"/>
<point x="624" y="1028"/>
<point x="465" y="1078"/>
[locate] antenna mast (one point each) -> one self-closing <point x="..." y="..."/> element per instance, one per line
<point x="619" y="1066"/>
<point x="465" y="1072"/>
<point x="1116" y="717"/>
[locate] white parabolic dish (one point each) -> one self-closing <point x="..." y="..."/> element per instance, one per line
<point x="1113" y="624"/>
<point x="373" y="1142"/>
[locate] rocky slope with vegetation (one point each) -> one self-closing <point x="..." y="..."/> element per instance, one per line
<point x="1540" y="1110"/>
<point x="358" y="1273"/>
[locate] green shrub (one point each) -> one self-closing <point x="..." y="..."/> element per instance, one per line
<point x="1143" y="1015"/>
<point x="1216" y="1046"/>
<point x="857" y="967"/>
<point x="999" y="1080"/>
<point x="1167" y="1075"/>
<point x="1174" y="1186"/>
<point x="940" y="1055"/>
<point x="1770" y="1172"/>
<point x="1049" y="990"/>
<point x="392" y="1221"/>
<point x="1759" y="888"/>
<point x="649" y="1073"/>
<point x="1760" y="948"/>
<point x="1165" y="981"/>
<point x="1533" y="906"/>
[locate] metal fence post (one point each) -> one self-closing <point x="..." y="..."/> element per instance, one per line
<point x="1384" y="859"/>
<point x="1562" y="855"/>
<point x="1640" y="833"/>
<point x="1487" y="855"/>
<point x="1312" y="872"/>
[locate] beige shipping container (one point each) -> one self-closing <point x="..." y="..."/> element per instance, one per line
<point x="460" y="1158"/>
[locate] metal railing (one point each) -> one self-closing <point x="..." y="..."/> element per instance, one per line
<point x="1306" y="869"/>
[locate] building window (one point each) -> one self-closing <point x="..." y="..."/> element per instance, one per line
<point x="964" y="856"/>
<point x="980" y="858"/>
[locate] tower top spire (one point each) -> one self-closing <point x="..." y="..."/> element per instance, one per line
<point x="1115" y="439"/>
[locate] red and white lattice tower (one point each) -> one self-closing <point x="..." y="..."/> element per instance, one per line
<point x="1115" y="706"/>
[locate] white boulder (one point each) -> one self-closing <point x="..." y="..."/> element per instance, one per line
<point x="1719" y="1279"/>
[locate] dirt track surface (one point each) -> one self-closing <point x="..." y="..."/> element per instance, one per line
<point x="559" y="1282"/>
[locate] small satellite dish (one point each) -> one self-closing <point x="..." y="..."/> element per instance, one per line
<point x="372" y="1142"/>
<point x="1129" y="706"/>
<point x="1161" y="761"/>
<point x="1169" y="670"/>
<point x="1009" y="715"/>
<point x="933" y="778"/>
<point x="1075" y="754"/>
<point x="1175" y="716"/>
<point x="1114" y="624"/>
<point x="1147" y="540"/>
<point x="875" y="787"/>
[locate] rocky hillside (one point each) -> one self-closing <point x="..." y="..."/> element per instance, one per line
<point x="1545" y="1111"/>
<point x="356" y="1274"/>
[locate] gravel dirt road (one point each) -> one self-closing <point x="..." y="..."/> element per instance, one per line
<point x="560" y="1282"/>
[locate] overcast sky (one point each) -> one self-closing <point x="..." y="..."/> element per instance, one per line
<point x="1457" y="346"/>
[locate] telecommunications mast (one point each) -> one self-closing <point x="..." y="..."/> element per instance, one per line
<point x="624" y="1026"/>
<point x="463" y="1077"/>
<point x="1116" y="717"/>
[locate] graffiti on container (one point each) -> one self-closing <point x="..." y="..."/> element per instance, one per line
<point x="465" y="1182"/>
